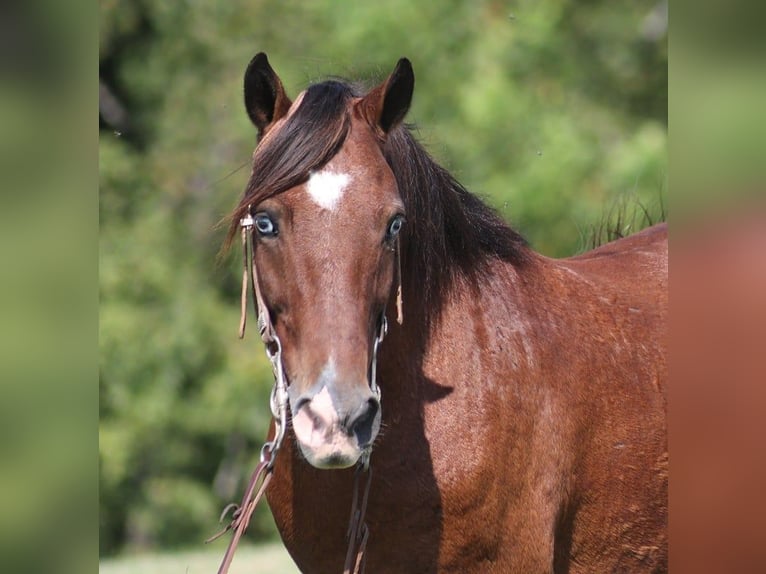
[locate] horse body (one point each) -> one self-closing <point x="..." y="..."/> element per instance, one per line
<point x="523" y="398"/>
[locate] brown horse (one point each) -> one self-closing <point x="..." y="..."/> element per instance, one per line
<point x="518" y="420"/>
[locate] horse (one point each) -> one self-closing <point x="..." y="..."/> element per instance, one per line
<point x="515" y="414"/>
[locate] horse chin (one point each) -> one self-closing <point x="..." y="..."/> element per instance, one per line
<point x="330" y="458"/>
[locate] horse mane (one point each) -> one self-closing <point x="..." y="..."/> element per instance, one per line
<point x="449" y="232"/>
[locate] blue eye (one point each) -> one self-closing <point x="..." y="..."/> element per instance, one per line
<point x="394" y="227"/>
<point x="264" y="224"/>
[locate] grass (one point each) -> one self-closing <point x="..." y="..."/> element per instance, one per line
<point x="262" y="559"/>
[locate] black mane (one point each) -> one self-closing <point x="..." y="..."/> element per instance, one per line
<point x="449" y="231"/>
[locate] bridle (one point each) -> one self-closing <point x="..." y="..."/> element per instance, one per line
<point x="358" y="532"/>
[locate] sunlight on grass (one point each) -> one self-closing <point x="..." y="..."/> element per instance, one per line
<point x="264" y="559"/>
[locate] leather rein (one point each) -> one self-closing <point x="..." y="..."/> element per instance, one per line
<point x="358" y="533"/>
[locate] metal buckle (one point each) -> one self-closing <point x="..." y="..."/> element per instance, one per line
<point x="374" y="366"/>
<point x="247" y="221"/>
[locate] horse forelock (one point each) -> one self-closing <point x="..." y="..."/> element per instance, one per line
<point x="309" y="136"/>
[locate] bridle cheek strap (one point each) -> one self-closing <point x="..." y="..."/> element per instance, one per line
<point x="278" y="402"/>
<point x="279" y="399"/>
<point x="399" y="305"/>
<point x="249" y="275"/>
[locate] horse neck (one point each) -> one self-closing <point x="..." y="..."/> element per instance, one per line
<point x="498" y="294"/>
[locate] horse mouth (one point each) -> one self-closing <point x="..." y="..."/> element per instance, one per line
<point x="330" y="456"/>
<point x="335" y="461"/>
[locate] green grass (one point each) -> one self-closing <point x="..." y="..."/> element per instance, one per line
<point x="261" y="559"/>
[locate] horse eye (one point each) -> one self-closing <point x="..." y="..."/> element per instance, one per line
<point x="394" y="227"/>
<point x="264" y="224"/>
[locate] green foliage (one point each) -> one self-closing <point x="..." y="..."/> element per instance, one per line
<point x="552" y="111"/>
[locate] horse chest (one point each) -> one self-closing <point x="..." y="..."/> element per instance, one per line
<point x="311" y="508"/>
<point x="417" y="523"/>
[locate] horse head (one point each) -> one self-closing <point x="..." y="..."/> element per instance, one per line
<point x="327" y="216"/>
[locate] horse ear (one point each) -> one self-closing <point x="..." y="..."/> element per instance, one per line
<point x="265" y="98"/>
<point x="386" y="105"/>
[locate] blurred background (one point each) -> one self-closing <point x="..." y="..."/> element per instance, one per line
<point x="554" y="112"/>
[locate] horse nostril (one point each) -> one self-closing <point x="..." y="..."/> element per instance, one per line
<point x="300" y="403"/>
<point x="360" y="424"/>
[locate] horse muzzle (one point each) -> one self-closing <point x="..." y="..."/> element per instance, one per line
<point x="334" y="431"/>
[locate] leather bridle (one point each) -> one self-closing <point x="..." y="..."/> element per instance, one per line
<point x="358" y="533"/>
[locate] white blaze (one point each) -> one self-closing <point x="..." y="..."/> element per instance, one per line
<point x="326" y="188"/>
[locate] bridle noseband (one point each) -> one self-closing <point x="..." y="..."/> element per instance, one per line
<point x="358" y="533"/>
